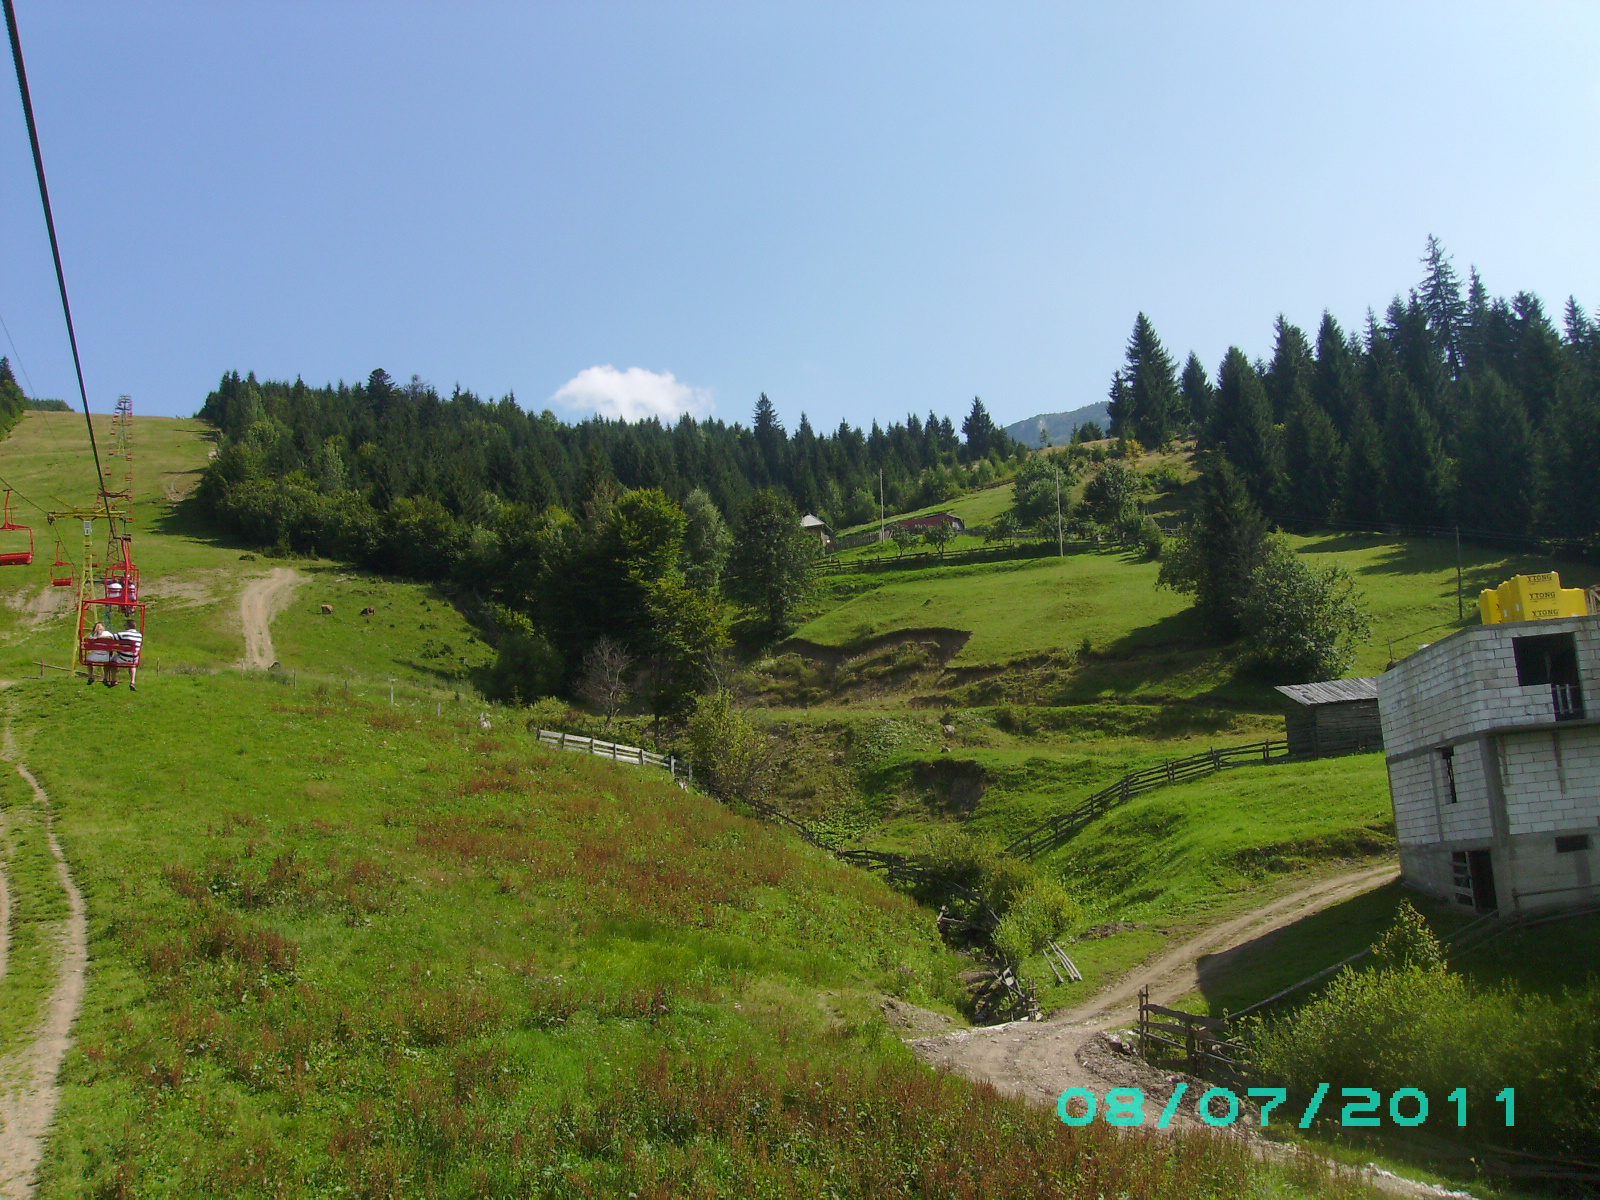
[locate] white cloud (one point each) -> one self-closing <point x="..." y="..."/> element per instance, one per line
<point x="634" y="394"/>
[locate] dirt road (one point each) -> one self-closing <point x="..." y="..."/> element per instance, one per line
<point x="1040" y="1059"/>
<point x="28" y="1090"/>
<point x="263" y="599"/>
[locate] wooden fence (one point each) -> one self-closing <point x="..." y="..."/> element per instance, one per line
<point x="680" y="771"/>
<point x="1052" y="832"/>
<point x="1201" y="1039"/>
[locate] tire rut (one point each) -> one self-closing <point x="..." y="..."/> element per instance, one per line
<point x="29" y="1091"/>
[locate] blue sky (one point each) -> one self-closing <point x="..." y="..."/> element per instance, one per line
<point x="861" y="209"/>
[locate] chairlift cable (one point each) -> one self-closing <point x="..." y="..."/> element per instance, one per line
<point x="55" y="247"/>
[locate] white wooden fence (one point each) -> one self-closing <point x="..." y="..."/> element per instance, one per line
<point x="681" y="772"/>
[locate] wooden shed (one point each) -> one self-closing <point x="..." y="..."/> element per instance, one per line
<point x="1336" y="717"/>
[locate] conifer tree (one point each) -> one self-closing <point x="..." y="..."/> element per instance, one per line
<point x="771" y="440"/>
<point x="1441" y="302"/>
<point x="1241" y="427"/>
<point x="1148" y="408"/>
<point x="1361" y="470"/>
<point x="1416" y="473"/>
<point x="1312" y="458"/>
<point x="979" y="431"/>
<point x="1333" y="379"/>
<point x="1218" y="551"/>
<point x="1496" y="461"/>
<point x="1195" y="392"/>
<point x="1566" y="491"/>
<point x="1291" y="367"/>
<point x="1119" y="406"/>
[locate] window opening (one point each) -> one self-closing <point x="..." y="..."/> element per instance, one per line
<point x="1551" y="660"/>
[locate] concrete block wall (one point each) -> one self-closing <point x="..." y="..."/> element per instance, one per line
<point x="1467" y="684"/>
<point x="1547" y="792"/>
<point x="1522" y="779"/>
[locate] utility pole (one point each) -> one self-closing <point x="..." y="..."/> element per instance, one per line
<point x="1461" y="612"/>
<point x="881" y="525"/>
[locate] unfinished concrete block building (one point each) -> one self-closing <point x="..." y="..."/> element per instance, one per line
<point x="1492" y="738"/>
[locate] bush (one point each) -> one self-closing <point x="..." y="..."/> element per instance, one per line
<point x="526" y="666"/>
<point x="1412" y="1023"/>
<point x="1302" y="622"/>
<point x="1424" y="1027"/>
<point x="1041" y="911"/>
<point x="1151" y="539"/>
<point x="731" y="758"/>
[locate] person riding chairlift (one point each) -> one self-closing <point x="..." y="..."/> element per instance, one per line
<point x="89" y="660"/>
<point x="127" y="655"/>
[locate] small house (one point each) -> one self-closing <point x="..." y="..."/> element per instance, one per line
<point x="815" y="525"/>
<point x="1336" y="717"/>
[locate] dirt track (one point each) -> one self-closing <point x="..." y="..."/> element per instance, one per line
<point x="263" y="599"/>
<point x="1040" y="1059"/>
<point x="28" y="1090"/>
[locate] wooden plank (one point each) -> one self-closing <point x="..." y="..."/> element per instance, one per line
<point x="1188" y="1018"/>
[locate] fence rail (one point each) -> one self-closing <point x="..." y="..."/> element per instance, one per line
<point x="616" y="752"/>
<point x="1200" y="1038"/>
<point x="1051" y="832"/>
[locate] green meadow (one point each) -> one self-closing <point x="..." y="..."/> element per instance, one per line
<point x="343" y="946"/>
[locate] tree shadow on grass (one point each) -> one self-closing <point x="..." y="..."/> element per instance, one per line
<point x="1263" y="966"/>
<point x="1170" y="659"/>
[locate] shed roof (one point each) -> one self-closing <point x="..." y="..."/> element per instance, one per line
<point x="1334" y="691"/>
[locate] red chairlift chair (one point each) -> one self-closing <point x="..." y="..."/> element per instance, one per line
<point x="61" y="570"/>
<point x="15" y="558"/>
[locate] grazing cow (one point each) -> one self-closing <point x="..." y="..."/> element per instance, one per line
<point x="327" y="609"/>
<point x="368" y="611"/>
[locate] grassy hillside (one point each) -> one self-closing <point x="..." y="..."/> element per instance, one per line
<point x="343" y="947"/>
<point x="193" y="579"/>
<point x="1034" y="607"/>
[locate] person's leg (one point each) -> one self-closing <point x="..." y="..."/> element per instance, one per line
<point x="133" y="679"/>
<point x="110" y="673"/>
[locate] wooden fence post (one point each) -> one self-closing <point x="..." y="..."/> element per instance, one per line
<point x="1144" y="1022"/>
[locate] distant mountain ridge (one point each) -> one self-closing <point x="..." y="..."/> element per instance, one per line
<point x="1059" y="426"/>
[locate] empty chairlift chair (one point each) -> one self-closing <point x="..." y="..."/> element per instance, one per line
<point x="11" y="552"/>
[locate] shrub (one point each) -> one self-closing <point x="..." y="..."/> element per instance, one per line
<point x="1412" y="1023"/>
<point x="1302" y="622"/>
<point x="731" y="758"/>
<point x="1041" y="911"/>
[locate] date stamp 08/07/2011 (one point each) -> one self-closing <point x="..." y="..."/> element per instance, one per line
<point x="1220" y="1106"/>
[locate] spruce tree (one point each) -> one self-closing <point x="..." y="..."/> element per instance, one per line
<point x="1566" y="491"/>
<point x="979" y="431"/>
<point x="1441" y="302"/>
<point x="1538" y="361"/>
<point x="1291" y="367"/>
<point x="1312" y="459"/>
<point x="1416" y="473"/>
<point x="1150" y="388"/>
<point x="1195" y="392"/>
<point x="1241" y="427"/>
<point x="1361" y="470"/>
<point x="1119" y="407"/>
<point x="1218" y="551"/>
<point x="1333" y="379"/>
<point x="1495" y="466"/>
<point x="771" y="440"/>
